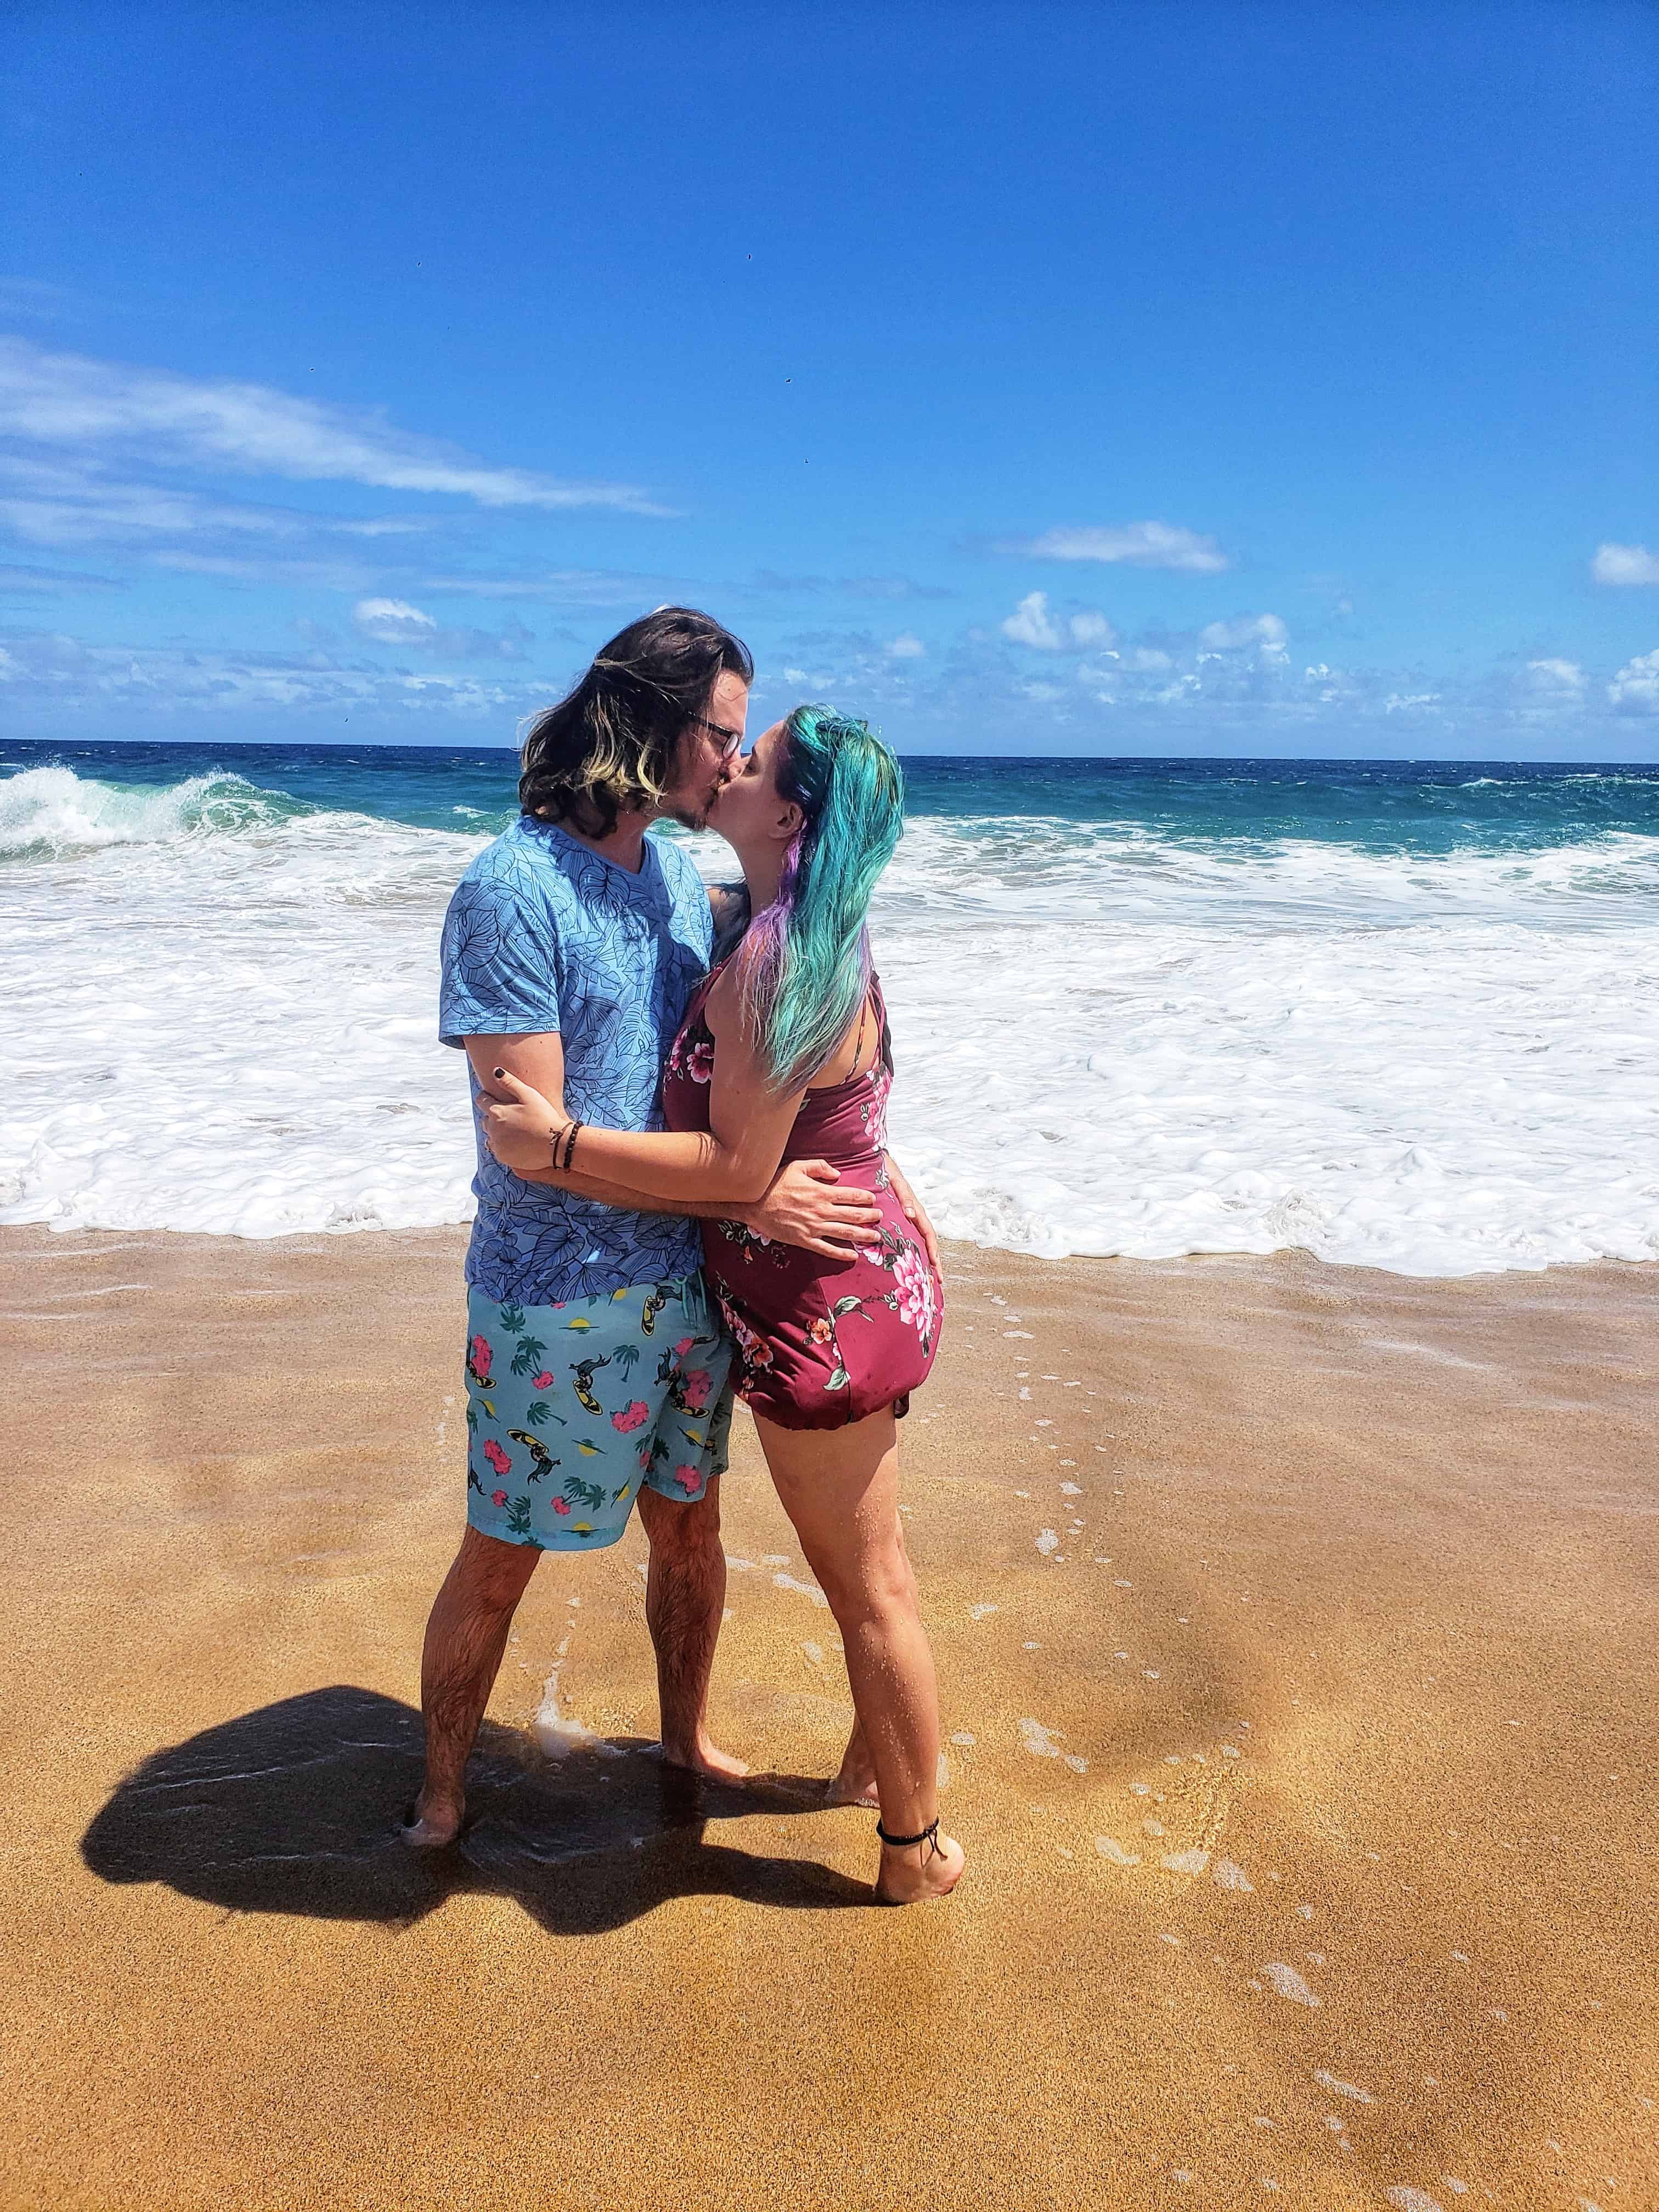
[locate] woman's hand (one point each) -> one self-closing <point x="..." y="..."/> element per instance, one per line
<point x="519" y="1131"/>
<point x="915" y="1213"/>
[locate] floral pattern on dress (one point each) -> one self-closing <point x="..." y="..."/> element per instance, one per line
<point x="820" y="1341"/>
<point x="911" y="1295"/>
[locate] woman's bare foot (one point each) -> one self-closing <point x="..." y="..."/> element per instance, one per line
<point x="911" y="1873"/>
<point x="855" y="1784"/>
<point x="706" y="1758"/>
<point x="430" y="1827"/>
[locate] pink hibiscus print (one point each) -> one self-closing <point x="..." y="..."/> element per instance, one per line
<point x="481" y="1356"/>
<point x="542" y="1382"/>
<point x="914" y="1285"/>
<point x="688" y="1479"/>
<point x="683" y="1346"/>
<point x="701" y="1065"/>
<point x="631" y="1417"/>
<point x="695" y="1387"/>
<point x="498" y="1498"/>
<point x="562" y="1505"/>
<point x="501" y="1460"/>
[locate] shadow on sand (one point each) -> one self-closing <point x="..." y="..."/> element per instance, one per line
<point x="293" y="1808"/>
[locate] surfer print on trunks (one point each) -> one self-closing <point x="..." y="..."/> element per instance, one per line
<point x="819" y="1342"/>
<point x="571" y="1408"/>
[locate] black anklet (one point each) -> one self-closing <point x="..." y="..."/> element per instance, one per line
<point x="929" y="1835"/>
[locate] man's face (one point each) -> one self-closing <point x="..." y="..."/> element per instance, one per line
<point x="704" y="758"/>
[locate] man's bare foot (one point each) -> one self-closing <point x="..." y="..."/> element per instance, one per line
<point x="430" y="1827"/>
<point x="705" y="1757"/>
<point x="912" y="1874"/>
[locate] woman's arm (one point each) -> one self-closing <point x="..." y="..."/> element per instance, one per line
<point x="732" y="1164"/>
<point x="806" y="1203"/>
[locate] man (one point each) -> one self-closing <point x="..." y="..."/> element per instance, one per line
<point x="596" y="1369"/>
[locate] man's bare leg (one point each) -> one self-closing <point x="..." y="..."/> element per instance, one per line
<point x="684" y="1599"/>
<point x="465" y="1636"/>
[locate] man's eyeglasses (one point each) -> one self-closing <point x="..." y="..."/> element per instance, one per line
<point x="730" y="740"/>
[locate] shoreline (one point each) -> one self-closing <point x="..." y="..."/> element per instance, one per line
<point x="1297" y="1255"/>
<point x="1303" y="1774"/>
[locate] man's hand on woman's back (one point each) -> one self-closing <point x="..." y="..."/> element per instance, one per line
<point x="808" y="1205"/>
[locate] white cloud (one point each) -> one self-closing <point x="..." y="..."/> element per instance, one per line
<point x="1266" y="631"/>
<point x="394" y="621"/>
<point x="1030" y="624"/>
<point x="597" y="588"/>
<point x="1091" y="628"/>
<point x="1410" y="702"/>
<point x="411" y="629"/>
<point x="907" y="646"/>
<point x="1624" y="564"/>
<point x="1557" y="681"/>
<point x="1140" y="544"/>
<point x="70" y="401"/>
<point x="1635" y="689"/>
<point x="73" y="679"/>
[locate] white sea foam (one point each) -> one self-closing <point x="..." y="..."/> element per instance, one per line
<point x="217" y="1012"/>
<point x="1289" y="1984"/>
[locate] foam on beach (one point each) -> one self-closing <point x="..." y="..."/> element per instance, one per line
<point x="1420" y="1062"/>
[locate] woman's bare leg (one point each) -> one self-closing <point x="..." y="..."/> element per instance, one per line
<point x="855" y="1784"/>
<point x="840" y="1488"/>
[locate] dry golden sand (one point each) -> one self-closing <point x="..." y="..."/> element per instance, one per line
<point x="1352" y="1653"/>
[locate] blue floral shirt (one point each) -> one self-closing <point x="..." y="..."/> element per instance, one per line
<point x="543" y="934"/>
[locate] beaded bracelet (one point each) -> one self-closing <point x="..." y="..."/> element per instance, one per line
<point x="570" y="1145"/>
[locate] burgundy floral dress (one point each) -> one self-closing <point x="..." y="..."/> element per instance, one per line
<point x="819" y="1342"/>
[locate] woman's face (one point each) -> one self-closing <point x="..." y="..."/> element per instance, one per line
<point x="749" y="810"/>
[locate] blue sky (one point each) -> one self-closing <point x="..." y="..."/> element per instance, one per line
<point x="1146" y="378"/>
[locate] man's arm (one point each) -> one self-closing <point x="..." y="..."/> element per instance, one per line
<point x="806" y="1204"/>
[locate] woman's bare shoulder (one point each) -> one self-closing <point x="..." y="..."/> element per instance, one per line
<point x="728" y="904"/>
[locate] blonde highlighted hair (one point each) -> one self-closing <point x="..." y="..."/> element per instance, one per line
<point x="608" y="747"/>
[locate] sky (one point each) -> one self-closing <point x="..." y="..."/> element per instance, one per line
<point x="1152" y="379"/>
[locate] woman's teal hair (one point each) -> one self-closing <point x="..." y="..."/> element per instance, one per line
<point x="806" y="964"/>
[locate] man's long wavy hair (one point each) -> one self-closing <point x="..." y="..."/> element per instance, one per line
<point x="608" y="748"/>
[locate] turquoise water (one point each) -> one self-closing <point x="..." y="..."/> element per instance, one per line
<point x="1381" y="806"/>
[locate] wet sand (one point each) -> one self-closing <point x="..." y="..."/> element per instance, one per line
<point x="1297" y="1641"/>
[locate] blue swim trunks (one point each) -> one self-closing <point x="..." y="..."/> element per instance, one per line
<point x="571" y="1407"/>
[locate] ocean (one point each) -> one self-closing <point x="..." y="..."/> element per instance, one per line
<point x="1402" y="1015"/>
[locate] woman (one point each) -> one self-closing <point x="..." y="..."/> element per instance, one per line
<point x="784" y="1053"/>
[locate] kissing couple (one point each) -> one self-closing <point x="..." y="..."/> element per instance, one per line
<point x="683" y="1195"/>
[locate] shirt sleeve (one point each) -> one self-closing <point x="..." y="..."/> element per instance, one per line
<point x="501" y="964"/>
